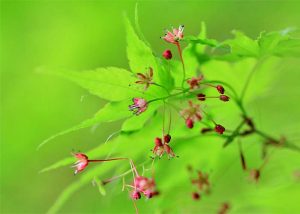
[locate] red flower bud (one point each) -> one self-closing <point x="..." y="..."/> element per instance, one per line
<point x="167" y="138"/>
<point x="189" y="123"/>
<point x="135" y="195"/>
<point x="219" y="129"/>
<point x="158" y="141"/>
<point x="167" y="54"/>
<point x="220" y="89"/>
<point x="224" y="98"/>
<point x="196" y="196"/>
<point x="201" y="97"/>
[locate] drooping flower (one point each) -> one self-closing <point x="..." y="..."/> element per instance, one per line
<point x="175" y="36"/>
<point x="146" y="78"/>
<point x="191" y="114"/>
<point x="162" y="147"/>
<point x="81" y="163"/>
<point x="194" y="82"/>
<point x="139" y="105"/>
<point x="145" y="185"/>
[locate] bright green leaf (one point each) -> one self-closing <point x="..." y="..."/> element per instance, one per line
<point x="110" y="112"/>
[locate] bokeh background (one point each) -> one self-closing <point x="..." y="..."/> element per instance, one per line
<point x="85" y="35"/>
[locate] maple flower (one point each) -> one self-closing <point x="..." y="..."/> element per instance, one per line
<point x="139" y="105"/>
<point x="146" y="78"/>
<point x="194" y="82"/>
<point x="175" y="36"/>
<point x="162" y="147"/>
<point x="81" y="163"/>
<point x="191" y="114"/>
<point x="145" y="185"/>
<point x="202" y="181"/>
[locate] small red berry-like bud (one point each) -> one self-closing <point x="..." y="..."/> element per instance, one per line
<point x="196" y="196"/>
<point x="158" y="141"/>
<point x="224" y="98"/>
<point x="201" y="97"/>
<point x="219" y="129"/>
<point x="220" y="89"/>
<point x="204" y="130"/>
<point x="189" y="123"/>
<point x="167" y="138"/>
<point x="135" y="195"/>
<point x="167" y="54"/>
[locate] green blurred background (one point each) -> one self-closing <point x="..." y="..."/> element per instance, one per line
<point x="85" y="35"/>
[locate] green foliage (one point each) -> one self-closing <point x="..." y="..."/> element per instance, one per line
<point x="252" y="61"/>
<point x="278" y="43"/>
<point x="110" y="112"/>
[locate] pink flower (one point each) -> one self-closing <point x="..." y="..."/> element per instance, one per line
<point x="191" y="114"/>
<point x="146" y="186"/>
<point x="81" y="163"/>
<point x="145" y="79"/>
<point x="175" y="36"/>
<point x="194" y="82"/>
<point x="139" y="105"/>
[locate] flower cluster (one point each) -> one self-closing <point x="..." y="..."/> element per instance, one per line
<point x="191" y="97"/>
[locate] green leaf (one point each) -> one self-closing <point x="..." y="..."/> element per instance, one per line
<point x="279" y="43"/>
<point x="243" y="46"/>
<point x="108" y="83"/>
<point x="194" y="54"/>
<point x="75" y="186"/>
<point x="235" y="74"/>
<point x="141" y="57"/>
<point x="110" y="112"/>
<point x="196" y="40"/>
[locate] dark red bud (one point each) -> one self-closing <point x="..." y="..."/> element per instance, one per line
<point x="201" y="97"/>
<point x="219" y="129"/>
<point x="167" y="54"/>
<point x="158" y="141"/>
<point x="189" y="123"/>
<point x="204" y="130"/>
<point x="224" y="98"/>
<point x="135" y="195"/>
<point x="220" y="89"/>
<point x="196" y="196"/>
<point x="167" y="138"/>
